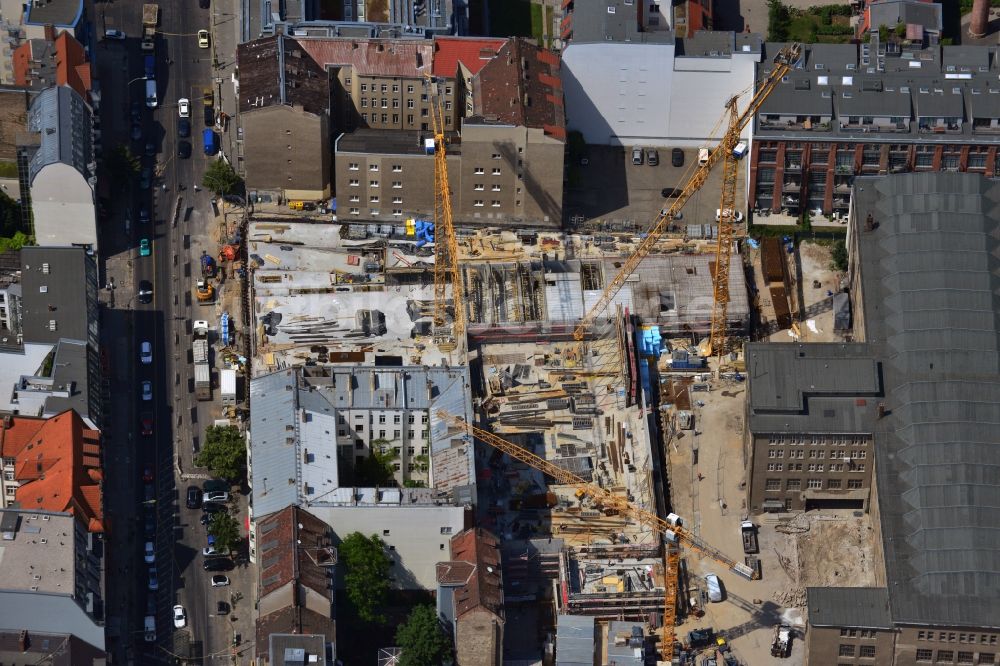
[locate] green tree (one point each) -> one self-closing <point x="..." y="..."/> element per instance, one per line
<point x="226" y="531"/>
<point x="838" y="255"/>
<point x="367" y="574"/>
<point x="376" y="469"/>
<point x="122" y="165"/>
<point x="16" y="242"/>
<point x="422" y="639"/>
<point x="220" y="178"/>
<point x="779" y="19"/>
<point x="224" y="453"/>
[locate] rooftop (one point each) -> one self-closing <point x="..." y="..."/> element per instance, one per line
<point x="804" y="388"/>
<point x="294" y="546"/>
<point x="275" y="71"/>
<point x="41" y="62"/>
<point x="53" y="614"/>
<point x="861" y="607"/>
<point x="479" y="549"/>
<point x="53" y="649"/>
<point x="929" y="277"/>
<point x="296" y="649"/>
<point x="39" y="553"/>
<point x="405" y="58"/>
<point x="576" y="640"/>
<point x="469" y="53"/>
<point x="60" y="13"/>
<point x="401" y="142"/>
<point x="614" y="21"/>
<point x="56" y="116"/>
<point x="521" y="86"/>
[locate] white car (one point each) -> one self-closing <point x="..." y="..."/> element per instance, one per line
<point x="114" y="34"/>
<point x="208" y="551"/>
<point x="147" y="390"/>
<point x="146" y="353"/>
<point x="216" y="496"/>
<point x="150" y="553"/>
<point x="180" y="617"/>
<point x="184" y="107"/>
<point x="737" y="216"/>
<point x="220" y="580"/>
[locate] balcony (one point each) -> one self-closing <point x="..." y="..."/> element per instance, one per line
<point x="875" y="127"/>
<point x="791" y="186"/>
<point x="814" y="124"/>
<point x="795" y="167"/>
<point x="986" y="125"/>
<point x="944" y="128"/>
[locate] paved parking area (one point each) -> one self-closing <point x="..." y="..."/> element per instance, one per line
<point x="611" y="193"/>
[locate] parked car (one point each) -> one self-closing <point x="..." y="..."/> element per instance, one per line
<point x="193" y="497"/>
<point x="150" y="149"/>
<point x="637" y="156"/>
<point x="117" y="35"/>
<point x="136" y="132"/>
<point x="216" y="496"/>
<point x="147" y="474"/>
<point x="211" y="484"/>
<point x="183" y="127"/>
<point x="670" y="192"/>
<point x="146" y="424"/>
<point x="144" y="247"/>
<point x="145" y="178"/>
<point x="209" y="551"/>
<point x="736" y="217"/>
<point x="180" y="617"/>
<point x="218" y="564"/>
<point x="209" y="116"/>
<point x="220" y="580"/>
<point x="149" y="521"/>
<point x="677" y="157"/>
<point x="652" y="157"/>
<point x="203" y="39"/>
<point x="154" y="582"/>
<point x="135" y="112"/>
<point x="204" y="4"/>
<point x="146" y="353"/>
<point x="148" y="492"/>
<point x="184" y="107"/>
<point x="145" y="292"/>
<point x="147" y="390"/>
<point x="184" y="149"/>
<point x="149" y="555"/>
<point x="144" y="214"/>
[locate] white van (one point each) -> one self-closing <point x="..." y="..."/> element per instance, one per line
<point x="714" y="588"/>
<point x="702" y="156"/>
<point x="151" y="100"/>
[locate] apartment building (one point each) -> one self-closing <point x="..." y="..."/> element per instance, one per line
<point x="60" y="60"/>
<point x="810" y="417"/>
<point x="868" y="109"/>
<point x="22" y="21"/>
<point x="506" y="166"/>
<point x="631" y="21"/>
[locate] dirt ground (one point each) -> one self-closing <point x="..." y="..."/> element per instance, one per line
<point x="817" y="549"/>
<point x="816" y="265"/>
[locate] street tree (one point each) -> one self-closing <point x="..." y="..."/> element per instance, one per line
<point x="224" y="453"/>
<point x="226" y="531"/>
<point x="221" y="178"/>
<point x="366" y="575"/>
<point x="422" y="639"/>
<point x="122" y="165"/>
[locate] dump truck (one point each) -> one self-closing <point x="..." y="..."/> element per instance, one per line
<point x="207" y="266"/>
<point x="749" y="532"/>
<point x="204" y="292"/>
<point x="202" y="367"/>
<point x="150" y="17"/>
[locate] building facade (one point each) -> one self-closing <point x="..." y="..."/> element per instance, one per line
<point x="848" y="110"/>
<point x="810" y="417"/>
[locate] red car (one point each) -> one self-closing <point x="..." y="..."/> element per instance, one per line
<point x="147" y="474"/>
<point x="146" y="424"/>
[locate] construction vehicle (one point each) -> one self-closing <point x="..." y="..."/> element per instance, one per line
<point x="202" y="368"/>
<point x="783" y="62"/>
<point x="749" y="533"/>
<point x="446" y="267"/>
<point x="670" y="528"/>
<point x="150" y="17"/>
<point x="204" y="292"/>
<point x="207" y="266"/>
<point x="781" y="643"/>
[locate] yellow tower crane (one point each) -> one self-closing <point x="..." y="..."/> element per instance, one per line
<point x="670" y="529"/>
<point x="446" y="268"/>
<point x="783" y="62"/>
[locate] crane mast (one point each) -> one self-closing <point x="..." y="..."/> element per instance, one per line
<point x="784" y="61"/>
<point x="446" y="268"/>
<point x="724" y="242"/>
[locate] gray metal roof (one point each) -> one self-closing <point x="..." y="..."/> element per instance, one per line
<point x="49" y="614"/>
<point x="274" y="474"/>
<point x="70" y="381"/>
<point x="985" y="103"/>
<point x="62" y="120"/>
<point x="891" y="12"/>
<point x="930" y="271"/>
<point x="575" y="640"/>
<point x="934" y="104"/>
<point x="790" y="98"/>
<point x="872" y="103"/>
<point x="60" y="13"/>
<point x="55" y="283"/>
<point x="614" y="21"/>
<point x="625" y="654"/>
<point x="806" y="388"/>
<point x="861" y="607"/>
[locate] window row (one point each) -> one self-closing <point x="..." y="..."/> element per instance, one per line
<point x="961" y="637"/>
<point x="396" y="212"/>
<point x="814" y="454"/>
<point x="835" y="440"/>
<point x="774" y="485"/>
<point x="814" y="467"/>
<point x="863" y="651"/>
<point x="949" y="657"/>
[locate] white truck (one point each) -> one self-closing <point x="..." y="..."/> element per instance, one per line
<point x="150" y="17"/>
<point x="202" y="368"/>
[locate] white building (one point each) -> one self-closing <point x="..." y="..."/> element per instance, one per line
<point x="652" y="90"/>
<point x="61" y="169"/>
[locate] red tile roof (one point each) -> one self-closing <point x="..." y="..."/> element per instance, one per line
<point x="479" y="550"/>
<point x="472" y="52"/>
<point x="54" y="472"/>
<point x="65" y="54"/>
<point x="291" y="546"/>
<point x="521" y="86"/>
<point x="370" y="57"/>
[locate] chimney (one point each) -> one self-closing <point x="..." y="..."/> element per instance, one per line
<point x="980" y="18"/>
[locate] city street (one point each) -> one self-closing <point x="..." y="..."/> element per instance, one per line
<point x="179" y="229"/>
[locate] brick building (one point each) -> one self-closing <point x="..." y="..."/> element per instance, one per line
<point x="868" y="109"/>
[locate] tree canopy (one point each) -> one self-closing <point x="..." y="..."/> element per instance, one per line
<point x="221" y="178"/>
<point x="423" y="641"/>
<point x="778" y="21"/>
<point x="226" y="531"/>
<point x="224" y="453"/>
<point x="122" y="165"/>
<point x="367" y="574"/>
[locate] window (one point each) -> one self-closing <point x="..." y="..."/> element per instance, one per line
<point x="397" y="212"/>
<point x="9" y="462"/>
<point x="946" y="656"/>
<point x="364" y="102"/>
<point x="854" y="484"/>
<point x="11" y="491"/>
<point x="347" y="81"/>
<point x="447" y="106"/>
<point x="410" y="418"/>
<point x="495" y="188"/>
<point x="355" y="182"/>
<point x="373" y="167"/>
<point x="848" y="633"/>
<point x="984" y="657"/>
<point x="409" y="104"/>
<point x="496" y="156"/>
<point x="833" y="484"/>
<point x="846" y="650"/>
<point x="364" y="87"/>
<point x="373" y="183"/>
<point x="478" y="203"/>
<point x="397" y="168"/>
<point x="373" y="213"/>
<point x="479" y="171"/>
<point x="923" y="655"/>
<point x="8" y="475"/>
<point x="381" y="434"/>
<point x="397" y="200"/>
<point x="815" y="484"/>
<point x="385" y="117"/>
<point x="409" y="89"/>
<point x="354" y="198"/>
<point x="385" y="103"/>
<point x="793" y="484"/>
<point x="359" y="428"/>
<point x="770" y="467"/>
<point x="409" y="118"/>
<point x="395" y="118"/>
<point x="495" y="203"/>
<point x="859" y="468"/>
<point x="496" y="171"/>
<point x="395" y="87"/>
<point x="374" y="199"/>
<point x="397" y="184"/>
<point x="478" y="187"/>
<point x="385" y="88"/>
<point x="772" y="484"/>
<point x="447" y="90"/>
<point x="868" y="652"/>
<point x="963" y="657"/>
<point x="353" y="166"/>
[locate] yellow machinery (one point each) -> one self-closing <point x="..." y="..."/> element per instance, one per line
<point x="446" y="267"/>
<point x="783" y="61"/>
<point x="204" y="291"/>
<point x="671" y="529"/>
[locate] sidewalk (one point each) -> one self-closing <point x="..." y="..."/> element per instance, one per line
<point x="226" y="15"/>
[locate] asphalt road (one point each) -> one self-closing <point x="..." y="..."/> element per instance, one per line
<point x="183" y="70"/>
